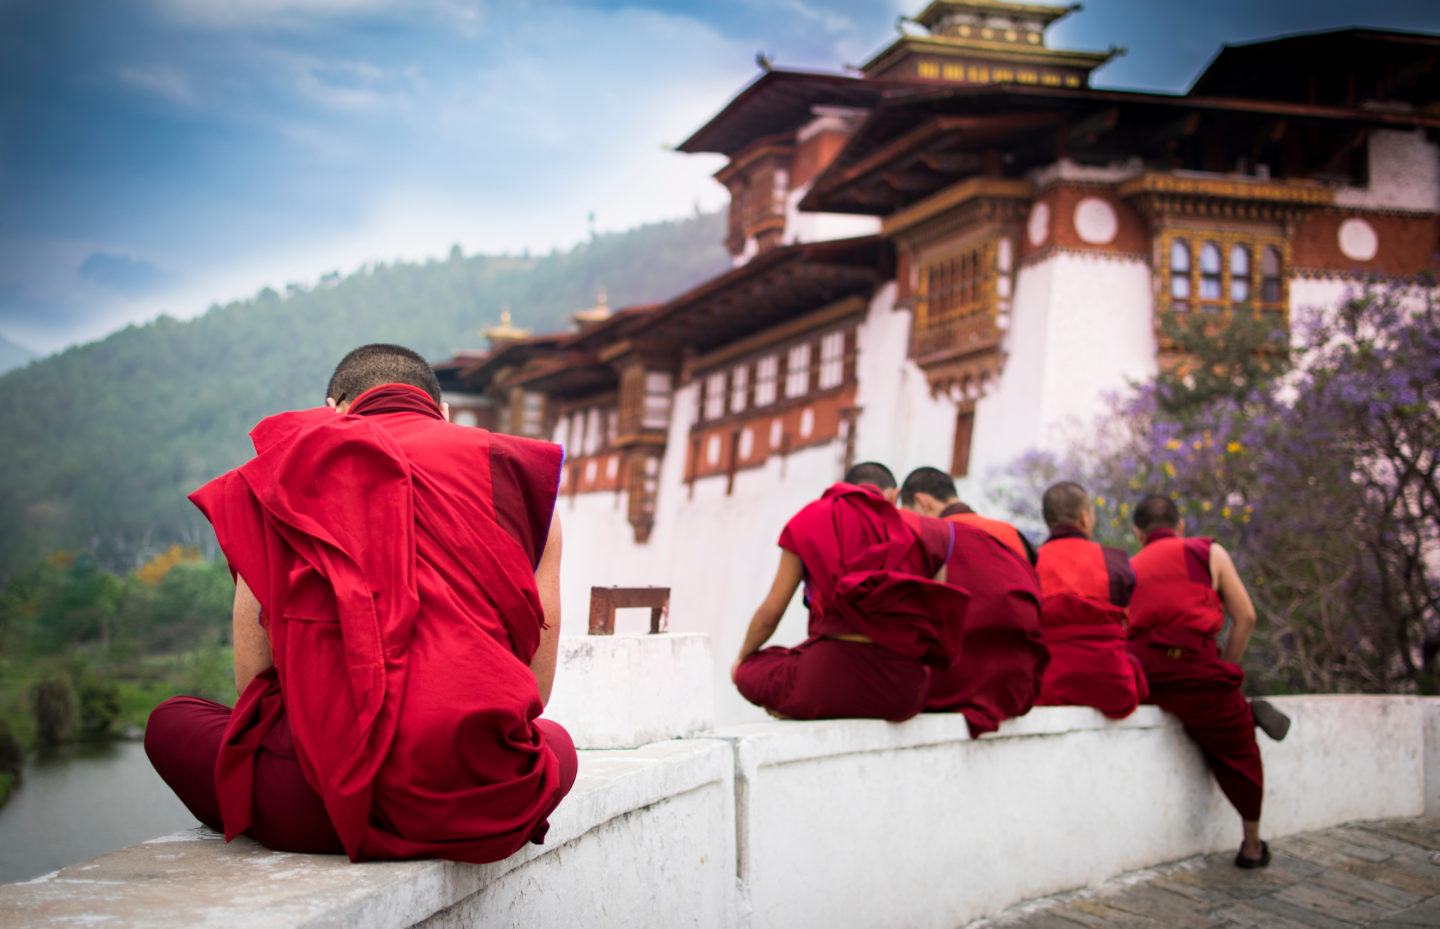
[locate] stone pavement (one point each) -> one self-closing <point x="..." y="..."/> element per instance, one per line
<point x="1377" y="874"/>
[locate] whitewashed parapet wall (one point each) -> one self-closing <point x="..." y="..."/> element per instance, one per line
<point x="839" y="823"/>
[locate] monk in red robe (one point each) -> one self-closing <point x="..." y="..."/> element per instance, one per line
<point x="1084" y="588"/>
<point x="877" y="620"/>
<point x="396" y="623"/>
<point x="1183" y="589"/>
<point x="1002" y="655"/>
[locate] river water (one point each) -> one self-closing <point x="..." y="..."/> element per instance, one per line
<point x="80" y="801"/>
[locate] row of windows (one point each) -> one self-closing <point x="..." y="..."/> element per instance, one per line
<point x="787" y="374"/>
<point x="980" y="74"/>
<point x="1215" y="275"/>
<point x="589" y="431"/>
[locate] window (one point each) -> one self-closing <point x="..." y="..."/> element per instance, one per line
<point x="612" y="427"/>
<point x="767" y="370"/>
<point x="593" y="437"/>
<point x="797" y="371"/>
<point x="961" y="296"/>
<point x="532" y="413"/>
<point x="658" y="388"/>
<point x="715" y="396"/>
<point x="739" y="380"/>
<point x="1220" y="272"/>
<point x="960" y="451"/>
<point x="832" y="360"/>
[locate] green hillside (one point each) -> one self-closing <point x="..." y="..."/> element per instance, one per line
<point x="103" y="442"/>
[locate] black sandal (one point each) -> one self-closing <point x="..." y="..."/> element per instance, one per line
<point x="1251" y="863"/>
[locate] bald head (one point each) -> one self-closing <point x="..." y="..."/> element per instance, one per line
<point x="1065" y="504"/>
<point x="873" y="473"/>
<point x="372" y="365"/>
<point x="1156" y="511"/>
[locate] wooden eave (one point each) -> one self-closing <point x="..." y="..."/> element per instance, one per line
<point x="778" y="145"/>
<point x="573" y="374"/>
<point x="779" y="102"/>
<point x="1008" y="52"/>
<point x="976" y="188"/>
<point x="772" y="288"/>
<point x="904" y="152"/>
<point x="485" y="369"/>
<point x="593" y="337"/>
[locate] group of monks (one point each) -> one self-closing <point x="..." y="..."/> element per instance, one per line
<point x="396" y="624"/>
<point x="930" y="607"/>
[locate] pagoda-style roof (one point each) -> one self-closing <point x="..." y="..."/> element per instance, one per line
<point x="778" y="102"/>
<point x="773" y="287"/>
<point x="911" y="147"/>
<point x="933" y="15"/>
<point x="1343" y="67"/>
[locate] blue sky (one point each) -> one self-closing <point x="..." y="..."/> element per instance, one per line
<point x="160" y="155"/>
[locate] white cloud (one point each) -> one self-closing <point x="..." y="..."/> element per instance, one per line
<point x="466" y="16"/>
<point x="162" y="81"/>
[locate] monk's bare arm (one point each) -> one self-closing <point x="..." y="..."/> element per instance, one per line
<point x="767" y="617"/>
<point x="252" y="645"/>
<point x="547" y="581"/>
<point x="1237" y="603"/>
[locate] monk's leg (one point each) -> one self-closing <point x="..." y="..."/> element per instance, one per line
<point x="767" y="678"/>
<point x="558" y="740"/>
<point x="1220" y="722"/>
<point x="836" y="679"/>
<point x="289" y="815"/>
<point x="182" y="740"/>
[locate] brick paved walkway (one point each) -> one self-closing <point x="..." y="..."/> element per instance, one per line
<point x="1380" y="874"/>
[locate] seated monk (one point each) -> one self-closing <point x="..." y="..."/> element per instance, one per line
<point x="1183" y="589"/>
<point x="396" y="622"/>
<point x="1084" y="587"/>
<point x="1002" y="655"/>
<point x="877" y="621"/>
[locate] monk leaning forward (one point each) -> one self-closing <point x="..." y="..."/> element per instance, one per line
<point x="1084" y="588"/>
<point x="1002" y="656"/>
<point x="877" y="621"/>
<point x="1184" y="587"/>
<point x="396" y="623"/>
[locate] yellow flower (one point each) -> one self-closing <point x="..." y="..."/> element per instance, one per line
<point x="1124" y="508"/>
<point x="1205" y="505"/>
<point x="1168" y="468"/>
<point x="1099" y="501"/>
<point x="1225" y="512"/>
<point x="1195" y="445"/>
<point x="1173" y="444"/>
<point x="1234" y="448"/>
<point x="1245" y="518"/>
<point x="1134" y="483"/>
<point x="1115" y="521"/>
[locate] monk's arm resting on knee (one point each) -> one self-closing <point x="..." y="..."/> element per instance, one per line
<point x="1237" y="603"/>
<point x="547" y="581"/>
<point x="252" y="644"/>
<point x="767" y="617"/>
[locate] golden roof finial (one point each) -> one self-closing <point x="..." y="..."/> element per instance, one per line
<point x="505" y="331"/>
<point x="595" y="314"/>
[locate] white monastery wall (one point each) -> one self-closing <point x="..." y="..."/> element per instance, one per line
<point x="801" y="226"/>
<point x="837" y="823"/>
<point x="1404" y="173"/>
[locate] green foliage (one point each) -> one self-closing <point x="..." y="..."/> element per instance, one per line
<point x="52" y="704"/>
<point x="99" y="698"/>
<point x="11" y="754"/>
<point x="1225" y="356"/>
<point x="103" y="442"/>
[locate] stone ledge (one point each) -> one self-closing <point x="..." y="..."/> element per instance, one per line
<point x="195" y="879"/>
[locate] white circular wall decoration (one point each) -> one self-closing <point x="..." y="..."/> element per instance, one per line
<point x="712" y="450"/>
<point x="807" y="423"/>
<point x="1095" y="221"/>
<point x="1358" y="240"/>
<point x="1038" y="229"/>
<point x="747" y="442"/>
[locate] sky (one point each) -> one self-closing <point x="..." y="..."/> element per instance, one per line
<point x="159" y="156"/>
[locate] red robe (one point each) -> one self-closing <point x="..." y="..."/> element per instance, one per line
<point x="1002" y="654"/>
<point x="397" y="589"/>
<point x="867" y="573"/>
<point x="1173" y="620"/>
<point x="1084" y="588"/>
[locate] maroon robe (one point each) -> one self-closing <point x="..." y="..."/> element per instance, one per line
<point x="866" y="573"/>
<point x="393" y="556"/>
<point x="1173" y="620"/>
<point x="1084" y="588"/>
<point x="1002" y="655"/>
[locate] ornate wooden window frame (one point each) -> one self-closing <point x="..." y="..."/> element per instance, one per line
<point x="1195" y="238"/>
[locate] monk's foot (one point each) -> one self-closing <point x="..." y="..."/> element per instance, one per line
<point x="775" y="714"/>
<point x="1274" y="723"/>
<point x="1251" y="861"/>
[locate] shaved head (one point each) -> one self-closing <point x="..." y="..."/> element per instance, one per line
<point x="1064" y="504"/>
<point x="1156" y="511"/>
<point x="372" y="365"/>
<point x="930" y="481"/>
<point x="871" y="472"/>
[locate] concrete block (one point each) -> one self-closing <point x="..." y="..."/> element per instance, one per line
<point x="622" y="691"/>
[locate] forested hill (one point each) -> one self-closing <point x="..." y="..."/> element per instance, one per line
<point x="102" y="443"/>
<point x="12" y="355"/>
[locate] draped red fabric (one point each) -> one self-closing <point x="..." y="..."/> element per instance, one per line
<point x="868" y="572"/>
<point x="1176" y="613"/>
<point x="1002" y="655"/>
<point x="1084" y="588"/>
<point x="1002" y="531"/>
<point x="402" y="616"/>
